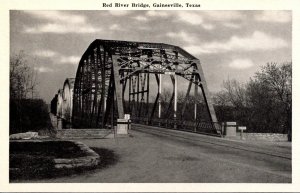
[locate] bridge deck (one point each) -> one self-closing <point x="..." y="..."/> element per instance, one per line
<point x="161" y="155"/>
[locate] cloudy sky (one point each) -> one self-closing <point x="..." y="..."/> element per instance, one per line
<point x="229" y="44"/>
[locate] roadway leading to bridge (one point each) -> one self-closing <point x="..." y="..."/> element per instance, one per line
<point x="158" y="155"/>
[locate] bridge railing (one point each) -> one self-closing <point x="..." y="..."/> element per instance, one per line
<point x="199" y="126"/>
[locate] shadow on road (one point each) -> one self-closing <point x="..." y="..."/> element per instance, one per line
<point x="107" y="159"/>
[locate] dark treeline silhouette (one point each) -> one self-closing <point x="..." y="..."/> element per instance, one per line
<point x="28" y="115"/>
<point x="263" y="104"/>
<point x="27" y="112"/>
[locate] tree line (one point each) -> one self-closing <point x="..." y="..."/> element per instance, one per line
<point x="27" y="112"/>
<point x="263" y="104"/>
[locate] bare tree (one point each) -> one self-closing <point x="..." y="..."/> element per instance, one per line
<point x="235" y="93"/>
<point x="221" y="98"/>
<point x="277" y="82"/>
<point x="23" y="77"/>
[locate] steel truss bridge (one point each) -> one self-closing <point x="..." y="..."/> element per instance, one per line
<point x="117" y="77"/>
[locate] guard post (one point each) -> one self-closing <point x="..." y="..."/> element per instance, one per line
<point x="123" y="125"/>
<point x="230" y="129"/>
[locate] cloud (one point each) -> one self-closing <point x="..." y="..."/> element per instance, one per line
<point x="258" y="41"/>
<point x="119" y="12"/>
<point x="60" y="22"/>
<point x="114" y="27"/>
<point x="241" y="63"/>
<point x="190" y="17"/>
<point x="231" y="25"/>
<point x="141" y="18"/>
<point x="223" y="15"/>
<point x="274" y="16"/>
<point x="208" y="26"/>
<point x="69" y="59"/>
<point x="43" y="69"/>
<point x="45" y="53"/>
<point x="57" y="15"/>
<point x="183" y="36"/>
<point x="144" y="27"/>
<point x="203" y="17"/>
<point x="61" y="29"/>
<point x="194" y="18"/>
<point x="56" y="57"/>
<point x="158" y="13"/>
<point x="193" y="49"/>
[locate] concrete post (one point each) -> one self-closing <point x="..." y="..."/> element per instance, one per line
<point x="59" y="123"/>
<point x="230" y="129"/>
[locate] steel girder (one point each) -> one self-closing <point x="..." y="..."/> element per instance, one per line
<point x="111" y="70"/>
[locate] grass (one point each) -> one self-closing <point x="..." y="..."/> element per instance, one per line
<point x="32" y="161"/>
<point x="56" y="149"/>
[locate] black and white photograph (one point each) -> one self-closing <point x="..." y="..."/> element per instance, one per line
<point x="163" y="93"/>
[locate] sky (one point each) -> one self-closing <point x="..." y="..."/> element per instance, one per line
<point x="229" y="44"/>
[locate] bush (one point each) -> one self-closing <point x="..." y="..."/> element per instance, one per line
<point x="28" y="115"/>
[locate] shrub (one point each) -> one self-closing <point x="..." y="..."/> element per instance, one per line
<point x="28" y="115"/>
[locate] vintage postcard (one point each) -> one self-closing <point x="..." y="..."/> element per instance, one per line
<point x="149" y="96"/>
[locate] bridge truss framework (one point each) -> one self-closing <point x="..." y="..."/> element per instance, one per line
<point x="110" y="71"/>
